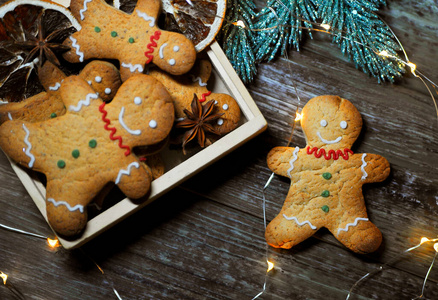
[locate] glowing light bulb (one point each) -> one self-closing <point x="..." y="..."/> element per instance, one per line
<point x="384" y="53"/>
<point x="424" y="240"/>
<point x="435" y="246"/>
<point x="325" y="26"/>
<point x="298" y="117"/>
<point x="270" y="266"/>
<point x="4" y="277"/>
<point x="240" y="23"/>
<point x="412" y="66"/>
<point x="53" y="243"/>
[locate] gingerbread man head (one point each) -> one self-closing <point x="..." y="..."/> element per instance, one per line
<point x="331" y="122"/>
<point x="133" y="39"/>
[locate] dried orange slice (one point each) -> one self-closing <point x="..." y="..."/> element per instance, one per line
<point x="22" y="24"/>
<point x="199" y="20"/>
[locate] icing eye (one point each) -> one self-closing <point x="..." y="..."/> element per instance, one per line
<point x="137" y="100"/>
<point x="343" y="124"/>
<point x="175" y="49"/>
<point x="153" y="124"/>
<point x="323" y="123"/>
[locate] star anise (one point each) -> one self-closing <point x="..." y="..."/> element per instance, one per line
<point x="199" y="121"/>
<point x="41" y="45"/>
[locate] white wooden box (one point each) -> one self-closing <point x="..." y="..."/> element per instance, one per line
<point x="225" y="80"/>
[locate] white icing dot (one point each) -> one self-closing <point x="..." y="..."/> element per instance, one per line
<point x="176" y="48"/>
<point x="98" y="79"/>
<point x="153" y="124"/>
<point x="343" y="124"/>
<point x="323" y="123"/>
<point x="220" y="122"/>
<point x="215" y="102"/>
<point x="172" y="62"/>
<point x="137" y="100"/>
<point x="89" y="82"/>
<point x="107" y="91"/>
<point x="225" y="106"/>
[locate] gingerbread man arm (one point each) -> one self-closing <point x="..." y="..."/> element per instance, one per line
<point x="284" y="160"/>
<point x="77" y="95"/>
<point x="375" y="168"/>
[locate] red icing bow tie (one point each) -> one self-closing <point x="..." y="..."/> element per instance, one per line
<point x="332" y="154"/>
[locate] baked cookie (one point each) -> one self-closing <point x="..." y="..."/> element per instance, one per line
<point x="102" y="76"/>
<point x="133" y="39"/>
<point x="182" y="88"/>
<point x="91" y="145"/>
<point x="326" y="179"/>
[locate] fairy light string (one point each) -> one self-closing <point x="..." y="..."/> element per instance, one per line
<point x="396" y="258"/>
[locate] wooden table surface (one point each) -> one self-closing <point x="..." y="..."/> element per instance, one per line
<point x="205" y="239"/>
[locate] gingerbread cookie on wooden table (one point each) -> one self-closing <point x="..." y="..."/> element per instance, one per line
<point x="326" y="179"/>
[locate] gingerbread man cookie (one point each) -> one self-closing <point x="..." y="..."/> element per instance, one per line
<point x="133" y="39"/>
<point x="326" y="179"/>
<point x="182" y="88"/>
<point x="102" y="76"/>
<point x="91" y="145"/>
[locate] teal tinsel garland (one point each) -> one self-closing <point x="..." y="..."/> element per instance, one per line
<point x="356" y="29"/>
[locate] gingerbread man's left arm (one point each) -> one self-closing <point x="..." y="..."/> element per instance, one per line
<point x="375" y="168"/>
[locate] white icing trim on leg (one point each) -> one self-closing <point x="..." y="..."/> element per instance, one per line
<point x="352" y="224"/>
<point x="133" y="68"/>
<point x="70" y="208"/>
<point x="291" y="162"/>
<point x="300" y="224"/>
<point x="55" y="87"/>
<point x="126" y="171"/>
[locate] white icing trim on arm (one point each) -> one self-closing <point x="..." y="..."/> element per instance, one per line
<point x="29" y="147"/>
<point x="77" y="47"/>
<point x="291" y="162"/>
<point x="352" y="224"/>
<point x="300" y="224"/>
<point x="146" y="18"/>
<point x="70" y="208"/>
<point x="362" y="167"/>
<point x="81" y="12"/>
<point x="85" y="102"/>
<point x="55" y="87"/>
<point x="132" y="67"/>
<point x="134" y="132"/>
<point x="126" y="171"/>
<point x="199" y="80"/>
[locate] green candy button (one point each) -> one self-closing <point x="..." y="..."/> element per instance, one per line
<point x="113" y="33"/>
<point x="325" y="209"/>
<point x="61" y="164"/>
<point x="131" y="40"/>
<point x="53" y="115"/>
<point x="75" y="153"/>
<point x="327" y="175"/>
<point x="325" y="193"/>
<point x="97" y="29"/>
<point x="92" y="143"/>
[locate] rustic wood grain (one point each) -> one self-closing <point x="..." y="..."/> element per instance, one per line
<point x="204" y="240"/>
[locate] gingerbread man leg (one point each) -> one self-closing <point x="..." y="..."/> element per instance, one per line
<point x="358" y="234"/>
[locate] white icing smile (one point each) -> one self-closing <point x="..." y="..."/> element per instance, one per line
<point x="337" y="140"/>
<point x="134" y="132"/>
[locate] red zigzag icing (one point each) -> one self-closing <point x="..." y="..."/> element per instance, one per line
<point x="320" y="152"/>
<point x="152" y="45"/>
<point x="112" y="129"/>
<point x="202" y="99"/>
